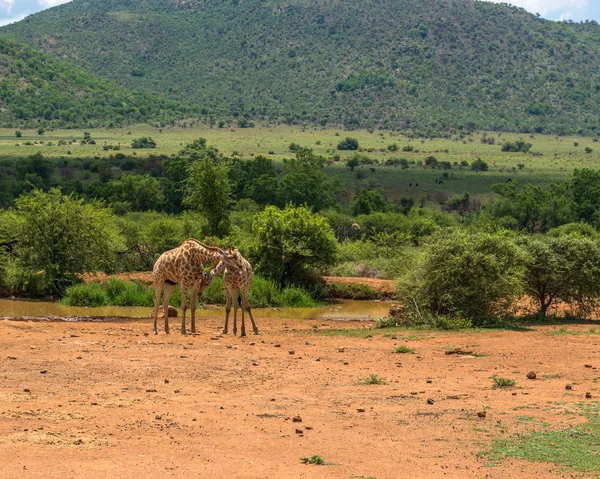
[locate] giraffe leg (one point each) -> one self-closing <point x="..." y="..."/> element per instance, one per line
<point x="157" y="290"/>
<point x="227" y="311"/>
<point x="184" y="291"/>
<point x="243" y="324"/>
<point x="193" y="308"/>
<point x="246" y="305"/>
<point x="235" y="308"/>
<point x="166" y="299"/>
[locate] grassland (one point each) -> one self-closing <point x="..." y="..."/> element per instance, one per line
<point x="550" y="159"/>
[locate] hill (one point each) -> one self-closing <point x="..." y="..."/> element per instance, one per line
<point x="38" y="89"/>
<point x="426" y="65"/>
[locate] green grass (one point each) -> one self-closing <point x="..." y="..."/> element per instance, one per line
<point x="539" y="170"/>
<point x="116" y="292"/>
<point x="573" y="447"/>
<point x="569" y="332"/>
<point x="316" y="460"/>
<point x="502" y="383"/>
<point x="404" y="350"/>
<point x="372" y="379"/>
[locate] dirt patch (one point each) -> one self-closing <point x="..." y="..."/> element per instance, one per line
<point x="119" y="402"/>
<point x="385" y="285"/>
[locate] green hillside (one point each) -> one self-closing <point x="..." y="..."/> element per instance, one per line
<point x="426" y="65"/>
<point x="38" y="89"/>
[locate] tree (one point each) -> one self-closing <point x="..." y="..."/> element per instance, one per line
<point x="140" y="192"/>
<point x="208" y="190"/>
<point x="366" y="202"/>
<point x="562" y="269"/>
<point x="305" y="182"/>
<point x="473" y="276"/>
<point x="348" y="144"/>
<point x="143" y="142"/>
<point x="41" y="131"/>
<point x="58" y="237"/>
<point x="292" y="242"/>
<point x="479" y="165"/>
<point x="18" y="134"/>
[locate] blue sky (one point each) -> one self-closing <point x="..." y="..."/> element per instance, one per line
<point x="577" y="10"/>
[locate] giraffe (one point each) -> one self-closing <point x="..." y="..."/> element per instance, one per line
<point x="183" y="265"/>
<point x="237" y="278"/>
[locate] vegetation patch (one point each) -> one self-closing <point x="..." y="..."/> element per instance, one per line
<point x="316" y="460"/>
<point x="502" y="383"/>
<point x="372" y="379"/>
<point x="404" y="350"/>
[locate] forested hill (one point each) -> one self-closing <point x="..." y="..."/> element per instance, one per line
<point x="430" y="65"/>
<point x="38" y="89"/>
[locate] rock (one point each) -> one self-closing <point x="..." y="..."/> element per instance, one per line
<point x="166" y="381"/>
<point x="43" y="371"/>
<point x="345" y="363"/>
<point x="12" y="358"/>
<point x="26" y="390"/>
<point x="531" y="375"/>
<point x="430" y="401"/>
<point x="252" y="343"/>
<point x="587" y="365"/>
<point x="296" y="419"/>
<point x="318" y="359"/>
<point x="482" y="414"/>
<point x="588" y="395"/>
<point x="255" y="363"/>
<point x="161" y="313"/>
<point x="360" y="409"/>
<point x="150" y="390"/>
<point x="299" y="431"/>
<point x="429" y="381"/>
<point x="278" y="345"/>
<point x="308" y="428"/>
<point x="271" y="399"/>
<point x="291" y="351"/>
<point x="569" y="386"/>
<point x="341" y="350"/>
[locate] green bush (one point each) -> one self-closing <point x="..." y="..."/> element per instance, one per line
<point x="475" y="276"/>
<point x="92" y="294"/>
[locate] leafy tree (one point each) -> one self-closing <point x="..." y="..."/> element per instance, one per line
<point x="41" y="131"/>
<point x="473" y="276"/>
<point x="562" y="269"/>
<point x="479" y="165"/>
<point x="305" y="183"/>
<point x="406" y="204"/>
<point x="58" y="237"/>
<point x="140" y="192"/>
<point x="143" y="142"/>
<point x="292" y="242"/>
<point x="516" y="146"/>
<point x="366" y="202"/>
<point x="33" y="166"/>
<point x="208" y="191"/>
<point x="348" y="144"/>
<point x="18" y="134"/>
<point x="353" y="162"/>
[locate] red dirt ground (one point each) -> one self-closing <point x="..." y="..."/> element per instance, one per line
<point x="105" y="400"/>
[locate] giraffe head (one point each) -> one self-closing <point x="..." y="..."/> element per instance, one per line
<point x="203" y="282"/>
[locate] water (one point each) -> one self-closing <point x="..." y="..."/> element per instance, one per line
<point x="342" y="310"/>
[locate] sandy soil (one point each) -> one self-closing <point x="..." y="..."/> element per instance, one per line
<point x="106" y="400"/>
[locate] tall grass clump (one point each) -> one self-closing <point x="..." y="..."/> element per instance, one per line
<point x="116" y="292"/>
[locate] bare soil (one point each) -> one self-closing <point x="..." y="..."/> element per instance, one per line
<point x="100" y="400"/>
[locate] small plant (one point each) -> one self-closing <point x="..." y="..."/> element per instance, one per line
<point x="316" y="459"/>
<point x="404" y="350"/>
<point x="18" y="134"/>
<point x="372" y="379"/>
<point x="502" y="383"/>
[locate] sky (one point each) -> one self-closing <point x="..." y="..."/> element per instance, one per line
<point x="576" y="10"/>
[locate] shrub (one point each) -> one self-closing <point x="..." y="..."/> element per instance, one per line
<point x="502" y="383"/>
<point x="404" y="350"/>
<point x="516" y="146"/>
<point x="372" y="379"/>
<point x="317" y="460"/>
<point x="475" y="276"/>
<point x="348" y="144"/>
<point x="92" y="294"/>
<point x="143" y="142"/>
<point x="479" y="165"/>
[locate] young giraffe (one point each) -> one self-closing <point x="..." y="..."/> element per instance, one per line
<point x="237" y="278"/>
<point x="183" y="265"/>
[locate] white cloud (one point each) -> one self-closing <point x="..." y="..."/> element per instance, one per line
<point x="543" y="7"/>
<point x="6" y="5"/>
<point x="49" y="3"/>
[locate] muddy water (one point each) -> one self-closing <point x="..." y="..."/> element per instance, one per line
<point x="342" y="310"/>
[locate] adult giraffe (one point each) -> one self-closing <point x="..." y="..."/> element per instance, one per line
<point x="237" y="279"/>
<point x="183" y="265"/>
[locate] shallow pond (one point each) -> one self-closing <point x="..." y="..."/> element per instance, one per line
<point x="341" y="310"/>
